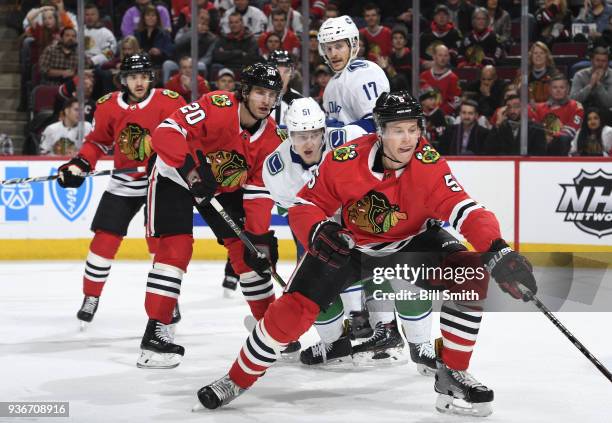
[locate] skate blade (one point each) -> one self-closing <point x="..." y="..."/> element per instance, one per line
<point x="447" y="404"/>
<point x="228" y="293"/>
<point x="388" y="357"/>
<point x="197" y="407"/>
<point x="153" y="360"/>
<point x="338" y="363"/>
<point x="83" y="325"/>
<point x="425" y="370"/>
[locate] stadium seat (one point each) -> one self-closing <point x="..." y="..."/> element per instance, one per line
<point x="506" y="72"/>
<point x="469" y="74"/>
<point x="570" y="49"/>
<point x="43" y="98"/>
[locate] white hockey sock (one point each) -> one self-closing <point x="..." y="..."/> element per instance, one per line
<point x="417" y="328"/>
<point x="330" y="330"/>
<point x="351" y="299"/>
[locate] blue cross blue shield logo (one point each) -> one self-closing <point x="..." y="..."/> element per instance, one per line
<point x="70" y="202"/>
<point x="17" y="199"/>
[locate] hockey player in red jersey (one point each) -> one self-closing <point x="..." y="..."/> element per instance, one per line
<point x="214" y="146"/>
<point x="391" y="188"/>
<point x="124" y="122"/>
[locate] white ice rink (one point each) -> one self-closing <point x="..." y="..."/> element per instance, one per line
<point x="537" y="375"/>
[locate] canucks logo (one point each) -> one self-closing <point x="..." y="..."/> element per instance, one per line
<point x="428" y="155"/>
<point x="342" y="154"/>
<point x="70" y="202"/>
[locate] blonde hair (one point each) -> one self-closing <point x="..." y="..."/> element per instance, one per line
<point x="130" y="41"/>
<point x="550" y="63"/>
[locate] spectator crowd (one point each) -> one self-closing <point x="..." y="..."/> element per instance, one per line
<point x="469" y="60"/>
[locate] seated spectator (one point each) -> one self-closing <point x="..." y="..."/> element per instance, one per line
<point x="560" y="116"/>
<point x="100" y="43"/>
<point x="466" y="137"/>
<point x="500" y="22"/>
<point x="64" y="18"/>
<point x="541" y="68"/>
<point x="322" y="75"/>
<point x="435" y="121"/>
<point x="442" y="78"/>
<point x="61" y="138"/>
<point x="509" y="90"/>
<point x="314" y="58"/>
<point x="461" y="14"/>
<point x="378" y="36"/>
<point x="505" y="136"/>
<point x="289" y="41"/>
<point x="597" y="12"/>
<point x="226" y="81"/>
<point x="294" y="18"/>
<point x="182" y="43"/>
<point x="127" y="46"/>
<point x="594" y="137"/>
<point x="331" y="11"/>
<point x="273" y="43"/>
<point x="153" y="38"/>
<point x="58" y="62"/>
<point x="481" y="46"/>
<point x="593" y="86"/>
<point x="488" y="91"/>
<point x="44" y="33"/>
<point x="553" y="22"/>
<point x="606" y="36"/>
<point x="443" y="32"/>
<point x="68" y="90"/>
<point x="181" y="82"/>
<point x="236" y="49"/>
<point x="252" y="18"/>
<point x="183" y="18"/>
<point x="398" y="66"/>
<point x="131" y="18"/>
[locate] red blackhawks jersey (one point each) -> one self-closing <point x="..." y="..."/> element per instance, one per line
<point x="447" y="84"/>
<point x="558" y="119"/>
<point x="385" y="209"/>
<point x="212" y="125"/>
<point x="379" y="42"/>
<point x="125" y="129"/>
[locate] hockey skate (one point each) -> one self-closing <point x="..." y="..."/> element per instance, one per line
<point x="217" y="394"/>
<point x="385" y="346"/>
<point x="230" y="283"/>
<point x="460" y="393"/>
<point x="339" y="351"/>
<point x="157" y="349"/>
<point x="359" y="325"/>
<point x="425" y="358"/>
<point x="87" y="311"/>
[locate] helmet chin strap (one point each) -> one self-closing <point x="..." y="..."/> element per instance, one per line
<point x="382" y="149"/>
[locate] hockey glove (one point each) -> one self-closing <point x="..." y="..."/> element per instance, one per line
<point x="509" y="269"/>
<point x="199" y="178"/>
<point x="72" y="174"/>
<point x="266" y="244"/>
<point x="331" y="243"/>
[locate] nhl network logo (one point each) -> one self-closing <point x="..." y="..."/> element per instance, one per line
<point x="588" y="202"/>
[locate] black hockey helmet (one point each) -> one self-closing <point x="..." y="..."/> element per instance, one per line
<point x="397" y="105"/>
<point x="136" y="63"/>
<point x="260" y="75"/>
<point x="280" y="58"/>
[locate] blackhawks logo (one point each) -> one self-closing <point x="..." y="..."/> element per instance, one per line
<point x="282" y="133"/>
<point x="229" y="168"/>
<point x="374" y="213"/>
<point x="428" y="156"/>
<point x="170" y="93"/>
<point x="552" y="124"/>
<point x="342" y="154"/>
<point x="135" y="142"/>
<point x="104" y="98"/>
<point x="220" y="100"/>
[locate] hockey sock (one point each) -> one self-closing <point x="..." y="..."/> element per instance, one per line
<point x="459" y="324"/>
<point x="102" y="251"/>
<point x="351" y="298"/>
<point x="164" y="279"/>
<point x="381" y="308"/>
<point x="284" y="321"/>
<point x="330" y="323"/>
<point x="414" y="314"/>
<point x="258" y="291"/>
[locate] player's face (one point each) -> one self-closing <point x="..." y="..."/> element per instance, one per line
<point x="138" y="85"/>
<point x="558" y="90"/>
<point x="307" y="144"/>
<point x="593" y="121"/>
<point x="261" y="101"/>
<point x="338" y="53"/>
<point x="399" y="141"/>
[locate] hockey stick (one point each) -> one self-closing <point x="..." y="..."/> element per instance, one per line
<point x="247" y="242"/>
<point x="565" y="331"/>
<point x="16" y="181"/>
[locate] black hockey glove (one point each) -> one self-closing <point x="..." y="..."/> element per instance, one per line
<point x="331" y="243"/>
<point x="265" y="243"/>
<point x="199" y="178"/>
<point x="72" y="174"/>
<point x="509" y="269"/>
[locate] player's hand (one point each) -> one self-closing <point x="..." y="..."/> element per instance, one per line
<point x="331" y="243"/>
<point x="509" y="269"/>
<point x="266" y="244"/>
<point x="199" y="178"/>
<point x="72" y="174"/>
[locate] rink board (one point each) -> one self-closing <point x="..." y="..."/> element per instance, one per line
<point x="545" y="205"/>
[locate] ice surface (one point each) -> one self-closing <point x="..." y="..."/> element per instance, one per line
<point x="537" y="375"/>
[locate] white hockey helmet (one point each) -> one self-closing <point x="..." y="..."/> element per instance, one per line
<point x="336" y="29"/>
<point x="304" y="114"/>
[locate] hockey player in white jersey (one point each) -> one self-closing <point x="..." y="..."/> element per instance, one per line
<point x="351" y="94"/>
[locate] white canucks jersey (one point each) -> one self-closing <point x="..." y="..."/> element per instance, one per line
<point x="284" y="172"/>
<point x="351" y="95"/>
